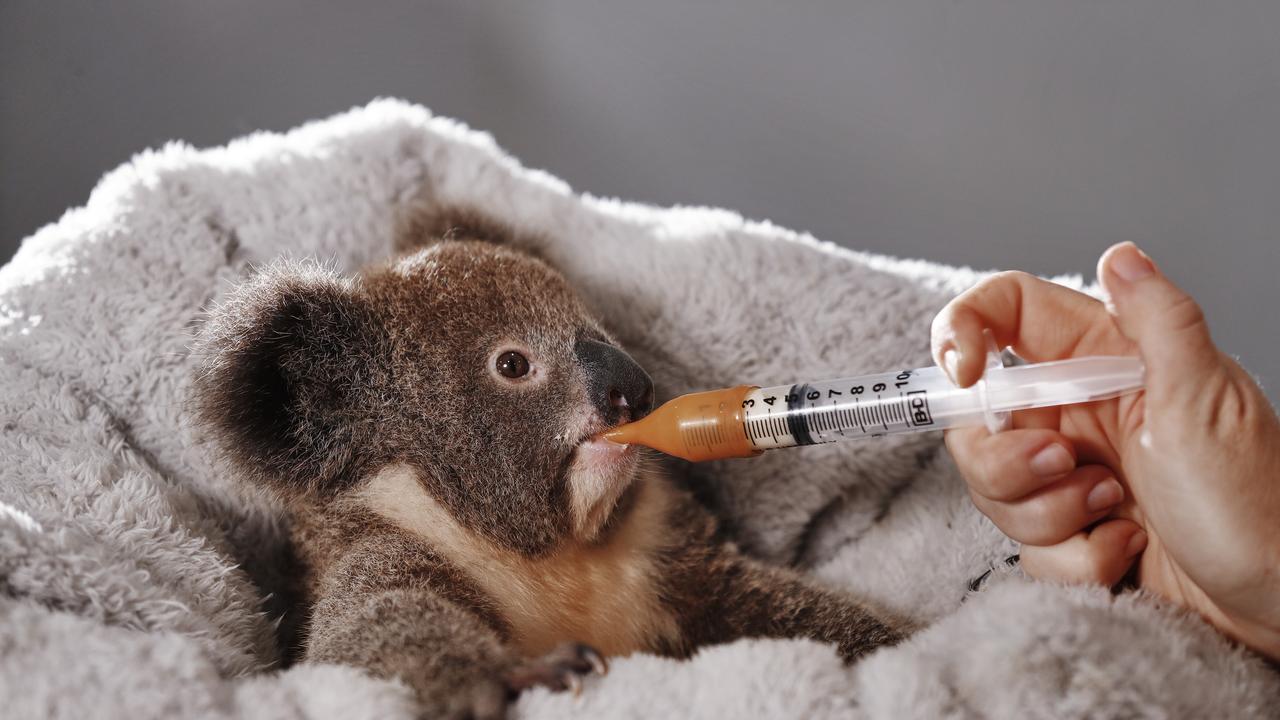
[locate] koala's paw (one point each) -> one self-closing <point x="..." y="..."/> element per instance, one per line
<point x="489" y="696"/>
<point x="561" y="669"/>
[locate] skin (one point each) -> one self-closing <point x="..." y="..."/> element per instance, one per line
<point x="462" y="530"/>
<point x="1179" y="483"/>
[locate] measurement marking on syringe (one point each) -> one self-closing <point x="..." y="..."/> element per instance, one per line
<point x="807" y="419"/>
<point x="893" y="412"/>
<point x="769" y="426"/>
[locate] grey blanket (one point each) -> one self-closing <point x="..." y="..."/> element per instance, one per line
<point x="136" y="581"/>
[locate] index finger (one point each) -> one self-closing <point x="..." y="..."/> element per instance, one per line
<point x="1040" y="320"/>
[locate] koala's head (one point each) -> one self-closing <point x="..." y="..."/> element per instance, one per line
<point x="475" y="365"/>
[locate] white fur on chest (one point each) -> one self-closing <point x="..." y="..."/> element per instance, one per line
<point x="604" y="595"/>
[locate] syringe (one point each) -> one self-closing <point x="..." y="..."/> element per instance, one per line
<point x="747" y="420"/>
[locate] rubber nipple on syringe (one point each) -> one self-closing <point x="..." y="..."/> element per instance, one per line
<point x="696" y="427"/>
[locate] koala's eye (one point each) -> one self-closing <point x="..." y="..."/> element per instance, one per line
<point x="512" y="364"/>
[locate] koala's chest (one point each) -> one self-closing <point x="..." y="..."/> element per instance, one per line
<point x="605" y="595"/>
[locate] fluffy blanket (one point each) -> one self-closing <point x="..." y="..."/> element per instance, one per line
<point x="135" y="581"/>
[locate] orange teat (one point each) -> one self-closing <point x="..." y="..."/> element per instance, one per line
<point x="699" y="426"/>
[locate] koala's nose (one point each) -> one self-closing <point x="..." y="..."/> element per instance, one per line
<point x="618" y="387"/>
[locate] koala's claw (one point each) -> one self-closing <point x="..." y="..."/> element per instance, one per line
<point x="560" y="669"/>
<point x="599" y="665"/>
<point x="574" y="682"/>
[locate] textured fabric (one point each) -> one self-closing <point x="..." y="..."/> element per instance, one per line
<point x="136" y="580"/>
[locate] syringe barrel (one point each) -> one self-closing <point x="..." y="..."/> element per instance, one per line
<point x="865" y="406"/>
<point x="747" y="420"/>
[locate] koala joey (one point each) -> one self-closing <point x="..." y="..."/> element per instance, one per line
<point x="431" y="425"/>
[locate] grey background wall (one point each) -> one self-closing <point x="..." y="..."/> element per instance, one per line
<point x="990" y="133"/>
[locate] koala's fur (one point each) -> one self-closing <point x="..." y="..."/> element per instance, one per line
<point x="454" y="529"/>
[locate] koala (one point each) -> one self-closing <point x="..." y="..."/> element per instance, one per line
<point x="432" y="426"/>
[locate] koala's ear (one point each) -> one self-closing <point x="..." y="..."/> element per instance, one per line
<point x="287" y="363"/>
<point x="424" y="225"/>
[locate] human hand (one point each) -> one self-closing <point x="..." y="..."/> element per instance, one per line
<point x="1183" y="477"/>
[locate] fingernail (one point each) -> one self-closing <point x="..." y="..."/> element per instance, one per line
<point x="1105" y="494"/>
<point x="1137" y="544"/>
<point x="1051" y="461"/>
<point x="951" y="361"/>
<point x="1131" y="264"/>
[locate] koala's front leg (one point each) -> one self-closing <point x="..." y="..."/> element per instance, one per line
<point x="738" y="597"/>
<point x="445" y="653"/>
<point x="380" y="611"/>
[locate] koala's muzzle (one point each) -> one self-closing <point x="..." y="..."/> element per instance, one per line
<point x="619" y="389"/>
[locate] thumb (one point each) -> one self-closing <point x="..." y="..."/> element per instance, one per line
<point x="1166" y="323"/>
